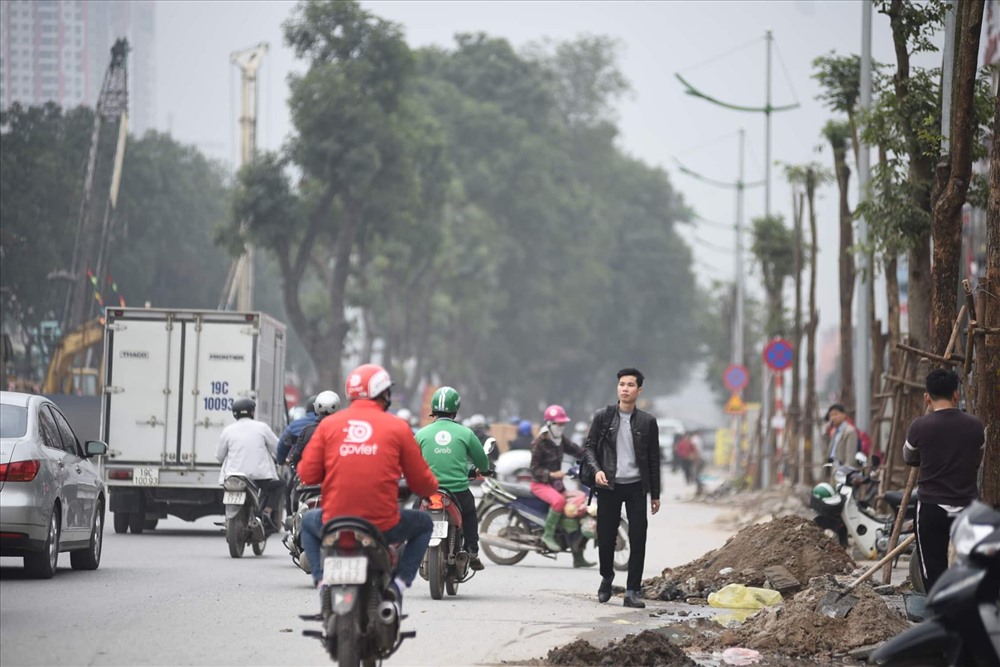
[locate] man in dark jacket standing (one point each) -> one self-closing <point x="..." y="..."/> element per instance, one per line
<point x="623" y="447"/>
<point x="947" y="445"/>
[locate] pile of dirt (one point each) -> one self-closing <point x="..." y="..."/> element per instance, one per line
<point x="648" y="648"/>
<point x="806" y="626"/>
<point x="792" y="542"/>
<point x="750" y="507"/>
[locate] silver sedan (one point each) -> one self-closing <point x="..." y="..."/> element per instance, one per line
<point x="52" y="497"/>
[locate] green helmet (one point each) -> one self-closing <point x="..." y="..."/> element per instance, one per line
<point x="445" y="400"/>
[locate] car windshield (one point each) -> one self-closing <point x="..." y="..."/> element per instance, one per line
<point x="13" y="421"/>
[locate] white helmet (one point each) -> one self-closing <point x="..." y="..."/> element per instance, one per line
<point x="327" y="402"/>
<point x="477" y="421"/>
<point x="404" y="414"/>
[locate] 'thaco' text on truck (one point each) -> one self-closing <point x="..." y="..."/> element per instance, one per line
<point x="171" y="377"/>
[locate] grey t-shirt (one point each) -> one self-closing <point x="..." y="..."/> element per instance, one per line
<point x="628" y="469"/>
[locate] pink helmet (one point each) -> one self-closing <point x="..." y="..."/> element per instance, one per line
<point x="555" y="414"/>
<point x="367" y="381"/>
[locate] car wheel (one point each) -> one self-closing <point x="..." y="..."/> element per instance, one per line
<point x="121" y="522"/>
<point x="42" y="565"/>
<point x="90" y="558"/>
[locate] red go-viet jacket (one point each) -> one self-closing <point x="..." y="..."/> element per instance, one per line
<point x="358" y="455"/>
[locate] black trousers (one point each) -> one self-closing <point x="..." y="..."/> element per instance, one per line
<point x="933" y="529"/>
<point x="470" y="522"/>
<point x="609" y="515"/>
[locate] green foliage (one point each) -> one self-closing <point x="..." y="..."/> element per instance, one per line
<point x="161" y="247"/>
<point x="715" y="334"/>
<point x="774" y="247"/>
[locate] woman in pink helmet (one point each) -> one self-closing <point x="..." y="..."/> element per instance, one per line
<point x="547" y="476"/>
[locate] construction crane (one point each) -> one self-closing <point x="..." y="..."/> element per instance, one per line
<point x="100" y="191"/>
<point x="240" y="281"/>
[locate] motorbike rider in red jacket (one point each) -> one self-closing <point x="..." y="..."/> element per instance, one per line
<point x="359" y="455"/>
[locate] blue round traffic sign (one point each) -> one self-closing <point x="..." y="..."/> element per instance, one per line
<point x="735" y="377"/>
<point x="778" y="354"/>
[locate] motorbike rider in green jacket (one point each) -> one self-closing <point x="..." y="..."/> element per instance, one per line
<point x="447" y="447"/>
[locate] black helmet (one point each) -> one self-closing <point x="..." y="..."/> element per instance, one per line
<point x="311" y="404"/>
<point x="244" y="407"/>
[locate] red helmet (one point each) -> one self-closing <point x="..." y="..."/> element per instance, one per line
<point x="367" y="381"/>
<point x="555" y="414"/>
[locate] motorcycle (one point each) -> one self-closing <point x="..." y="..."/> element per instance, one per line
<point x="241" y="497"/>
<point x="512" y="522"/>
<point x="446" y="562"/>
<point x="306" y="497"/>
<point x="848" y="510"/>
<point x="963" y="606"/>
<point x="359" y="611"/>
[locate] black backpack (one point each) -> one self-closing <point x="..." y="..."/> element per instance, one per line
<point x="295" y="455"/>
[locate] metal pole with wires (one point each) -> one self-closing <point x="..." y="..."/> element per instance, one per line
<point x="768" y="109"/>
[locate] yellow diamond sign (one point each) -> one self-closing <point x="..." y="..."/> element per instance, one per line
<point x="735" y="405"/>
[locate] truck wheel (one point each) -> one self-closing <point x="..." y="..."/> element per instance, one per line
<point x="121" y="522"/>
<point x="137" y="522"/>
<point x="150" y="524"/>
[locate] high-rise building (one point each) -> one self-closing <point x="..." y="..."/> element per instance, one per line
<point x="58" y="51"/>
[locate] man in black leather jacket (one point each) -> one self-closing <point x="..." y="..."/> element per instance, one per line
<point x="623" y="447"/>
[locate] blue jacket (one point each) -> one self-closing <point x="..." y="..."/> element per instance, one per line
<point x="291" y="434"/>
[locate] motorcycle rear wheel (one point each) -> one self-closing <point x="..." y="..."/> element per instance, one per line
<point x="916" y="576"/>
<point x="258" y="547"/>
<point x="437" y="572"/>
<point x="622" y="550"/>
<point x="236" y="534"/>
<point x="496" y="521"/>
<point x="347" y="635"/>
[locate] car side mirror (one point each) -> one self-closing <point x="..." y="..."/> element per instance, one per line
<point x="490" y="445"/>
<point x="95" y="448"/>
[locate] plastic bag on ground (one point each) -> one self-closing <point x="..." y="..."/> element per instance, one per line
<point x="738" y="596"/>
<point x="740" y="656"/>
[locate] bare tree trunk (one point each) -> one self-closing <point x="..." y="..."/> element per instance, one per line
<point x="334" y="348"/>
<point x="847" y="271"/>
<point x="795" y="404"/>
<point x="988" y="347"/>
<point x="809" y="413"/>
<point x="956" y="171"/>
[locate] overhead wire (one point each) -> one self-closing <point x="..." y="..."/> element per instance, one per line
<point x="714" y="59"/>
<point x="784" y="68"/>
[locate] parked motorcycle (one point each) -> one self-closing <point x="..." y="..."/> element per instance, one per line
<point x="241" y="497"/>
<point x="848" y="509"/>
<point x="446" y="562"/>
<point x="512" y="522"/>
<point x="306" y="497"/>
<point x="963" y="606"/>
<point x="359" y="612"/>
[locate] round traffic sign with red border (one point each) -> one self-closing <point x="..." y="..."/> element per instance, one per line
<point x="778" y="354"/>
<point x="735" y="377"/>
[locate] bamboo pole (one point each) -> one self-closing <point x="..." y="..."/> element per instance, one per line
<point x="954" y="332"/>
<point x="894" y="427"/>
<point x="886" y="559"/>
<point x="955" y="360"/>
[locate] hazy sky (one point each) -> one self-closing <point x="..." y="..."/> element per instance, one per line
<point x="718" y="46"/>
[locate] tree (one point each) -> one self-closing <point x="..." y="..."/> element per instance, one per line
<point x="837" y="134"/>
<point x="954" y="174"/>
<point x="988" y="346"/>
<point x="773" y="246"/>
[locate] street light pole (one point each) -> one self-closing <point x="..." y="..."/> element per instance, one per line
<point x="862" y="332"/>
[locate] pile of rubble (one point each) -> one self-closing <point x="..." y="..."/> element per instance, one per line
<point x="783" y="554"/>
<point x="825" y="618"/>
<point x="646" y="648"/>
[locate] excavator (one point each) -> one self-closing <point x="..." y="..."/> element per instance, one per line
<point x="67" y="374"/>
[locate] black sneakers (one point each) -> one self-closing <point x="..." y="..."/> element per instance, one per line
<point x="475" y="564"/>
<point x="604" y="591"/>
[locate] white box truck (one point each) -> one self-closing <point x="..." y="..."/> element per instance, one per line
<point x="170" y="379"/>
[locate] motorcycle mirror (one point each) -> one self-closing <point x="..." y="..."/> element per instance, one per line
<point x="490" y="445"/>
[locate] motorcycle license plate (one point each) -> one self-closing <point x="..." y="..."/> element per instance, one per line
<point x="440" y="530"/>
<point x="345" y="570"/>
<point x="233" y="497"/>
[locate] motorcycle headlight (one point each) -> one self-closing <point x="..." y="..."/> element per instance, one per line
<point x="965" y="535"/>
